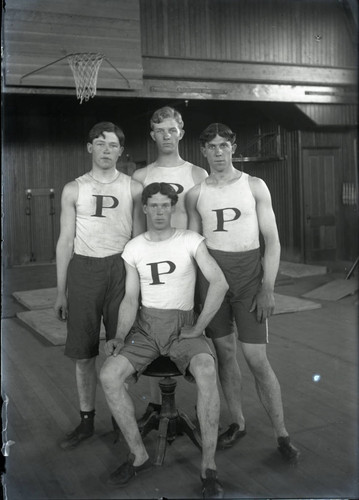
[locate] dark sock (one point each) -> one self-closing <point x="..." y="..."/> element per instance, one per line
<point x="87" y="420"/>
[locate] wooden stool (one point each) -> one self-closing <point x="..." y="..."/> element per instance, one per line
<point x="170" y="422"/>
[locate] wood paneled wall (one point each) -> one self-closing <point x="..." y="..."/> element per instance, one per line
<point x="38" y="154"/>
<point x="40" y="32"/>
<point x="330" y="114"/>
<point x="305" y="32"/>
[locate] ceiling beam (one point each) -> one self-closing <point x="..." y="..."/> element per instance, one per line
<point x="242" y="72"/>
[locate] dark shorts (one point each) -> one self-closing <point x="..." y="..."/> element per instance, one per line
<point x="243" y="272"/>
<point x="96" y="287"/>
<point x="155" y="332"/>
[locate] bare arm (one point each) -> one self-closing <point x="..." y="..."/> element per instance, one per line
<point x="217" y="289"/>
<point x="127" y="311"/>
<point x="198" y="174"/>
<point x="65" y="245"/>
<point x="194" y="219"/>
<point x="138" y="216"/>
<point x="140" y="175"/>
<point x="264" y="301"/>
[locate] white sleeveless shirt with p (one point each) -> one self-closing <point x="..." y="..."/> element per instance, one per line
<point x="103" y="216"/>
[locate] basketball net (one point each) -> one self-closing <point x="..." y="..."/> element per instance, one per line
<point x="85" y="68"/>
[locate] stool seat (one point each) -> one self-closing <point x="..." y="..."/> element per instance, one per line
<point x="162" y="367"/>
<point x="170" y="422"/>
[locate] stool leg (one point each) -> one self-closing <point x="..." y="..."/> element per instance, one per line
<point x="161" y="441"/>
<point x="152" y="423"/>
<point x="191" y="430"/>
<point x="168" y="406"/>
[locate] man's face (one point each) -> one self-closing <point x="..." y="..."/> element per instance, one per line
<point x="167" y="135"/>
<point x="219" y="152"/>
<point x="159" y="211"/>
<point x="105" y="150"/>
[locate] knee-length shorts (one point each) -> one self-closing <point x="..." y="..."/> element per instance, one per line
<point x="156" y="332"/>
<point x="96" y="287"/>
<point x="243" y="272"/>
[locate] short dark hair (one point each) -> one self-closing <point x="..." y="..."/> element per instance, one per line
<point x="162" y="188"/>
<point x="166" y="112"/>
<point x="98" y="130"/>
<point x="217" y="129"/>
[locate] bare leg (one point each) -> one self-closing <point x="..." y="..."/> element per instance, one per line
<point x="267" y="385"/>
<point x="202" y="367"/>
<point x="113" y="375"/>
<point x="230" y="376"/>
<point x="86" y="379"/>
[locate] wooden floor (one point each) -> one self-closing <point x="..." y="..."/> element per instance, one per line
<point x="38" y="383"/>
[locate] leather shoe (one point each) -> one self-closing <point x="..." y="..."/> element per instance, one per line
<point x="230" y="436"/>
<point x="75" y="437"/>
<point x="289" y="452"/>
<point x="126" y="471"/>
<point x="211" y="487"/>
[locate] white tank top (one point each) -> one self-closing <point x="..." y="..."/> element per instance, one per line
<point x="229" y="216"/>
<point x="181" y="180"/>
<point x="103" y="216"/>
<point x="167" y="269"/>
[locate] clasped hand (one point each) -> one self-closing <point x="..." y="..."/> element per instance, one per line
<point x="264" y="303"/>
<point x="113" y="347"/>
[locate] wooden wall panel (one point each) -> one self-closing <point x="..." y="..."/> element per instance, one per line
<point x="38" y="154"/>
<point x="331" y="115"/>
<point x="306" y="32"/>
<point x="38" y="33"/>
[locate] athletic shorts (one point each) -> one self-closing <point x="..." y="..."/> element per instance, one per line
<point x="243" y="272"/>
<point x="96" y="287"/>
<point x="155" y="332"/>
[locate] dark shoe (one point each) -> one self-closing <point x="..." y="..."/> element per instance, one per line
<point x="75" y="437"/>
<point x="228" y="438"/>
<point x="287" y="450"/>
<point x="151" y="410"/>
<point x="127" y="471"/>
<point x="211" y="487"/>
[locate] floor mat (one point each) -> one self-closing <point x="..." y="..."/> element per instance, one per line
<point x="297" y="270"/>
<point x="287" y="304"/>
<point x="44" y="322"/>
<point x="334" y="290"/>
<point x="42" y="298"/>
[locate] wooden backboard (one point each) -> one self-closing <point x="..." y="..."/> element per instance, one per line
<point x="37" y="33"/>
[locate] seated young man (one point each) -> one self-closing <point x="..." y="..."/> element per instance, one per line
<point x="161" y="264"/>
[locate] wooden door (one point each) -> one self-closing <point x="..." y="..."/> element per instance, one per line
<point x="321" y="200"/>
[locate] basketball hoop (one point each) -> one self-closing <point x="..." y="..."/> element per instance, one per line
<point x="85" y="68"/>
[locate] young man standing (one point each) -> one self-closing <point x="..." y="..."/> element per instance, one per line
<point x="167" y="132"/>
<point x="100" y="211"/>
<point x="161" y="266"/>
<point x="231" y="209"/>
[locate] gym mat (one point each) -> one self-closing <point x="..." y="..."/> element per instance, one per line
<point x="45" y="323"/>
<point x="297" y="270"/>
<point x="334" y="290"/>
<point x="43" y="298"/>
<point x="287" y="304"/>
